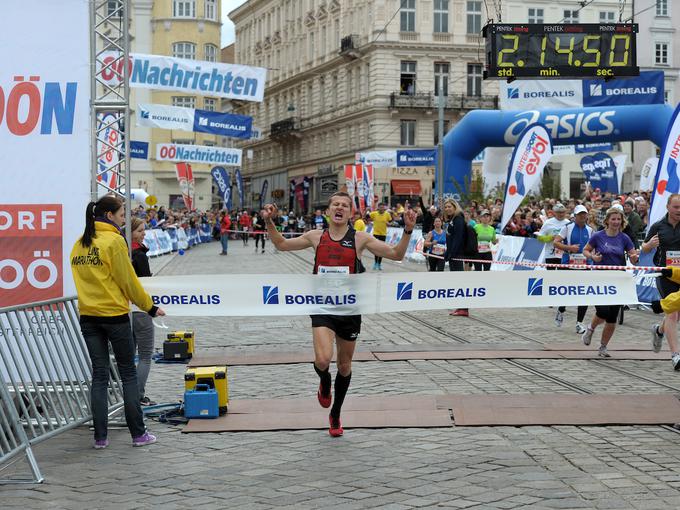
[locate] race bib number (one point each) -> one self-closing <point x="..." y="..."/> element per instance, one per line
<point x="673" y="258"/>
<point x="333" y="270"/>
<point x="484" y="247"/>
<point x="577" y="259"/>
<point x="438" y="249"/>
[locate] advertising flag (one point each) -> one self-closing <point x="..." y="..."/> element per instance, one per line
<point x="306" y="183"/>
<point x="532" y="151"/>
<point x="667" y="180"/>
<point x="165" y="117"/>
<point x="351" y="181"/>
<point x="265" y="185"/>
<point x="379" y="159"/>
<point x="198" y="121"/>
<point x="239" y="187"/>
<point x="222" y="178"/>
<point x="647" y="174"/>
<point x="291" y="194"/>
<point x="107" y="155"/>
<point x="367" y="177"/>
<point x="183" y="179"/>
<point x="620" y="164"/>
<point x="192" y="186"/>
<point x="139" y="150"/>
<point x="600" y="170"/>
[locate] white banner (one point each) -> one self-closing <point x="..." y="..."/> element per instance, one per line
<point x="165" y="117"/>
<point x="379" y="159"/>
<point x="518" y="249"/>
<point x="532" y="151"/>
<point x="45" y="139"/>
<point x="212" y="79"/>
<point x="667" y="180"/>
<point x="296" y="294"/>
<point x="527" y="94"/>
<point x="198" y="154"/>
<point x="647" y="174"/>
<point x="620" y="162"/>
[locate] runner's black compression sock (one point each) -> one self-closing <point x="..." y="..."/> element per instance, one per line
<point x="325" y="377"/>
<point x="341" y="387"/>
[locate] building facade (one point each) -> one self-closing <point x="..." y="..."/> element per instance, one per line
<point x="355" y="76"/>
<point x="184" y="29"/>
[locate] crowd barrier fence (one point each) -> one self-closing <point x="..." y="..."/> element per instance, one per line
<point x="45" y="379"/>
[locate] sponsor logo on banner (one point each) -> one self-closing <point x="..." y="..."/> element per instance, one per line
<point x="191" y="76"/>
<point x="270" y="296"/>
<point x="600" y="170"/>
<point x="567" y="125"/>
<point x="223" y="180"/>
<point x="593" y="147"/>
<point x="405" y="292"/>
<point x="552" y="94"/>
<point x="139" y="150"/>
<point x="31" y="261"/>
<point x="165" y="117"/>
<point x="667" y="180"/>
<point x="186" y="299"/>
<point x="223" y="124"/>
<point x="198" y="154"/>
<point x="513" y="93"/>
<point x="535" y="287"/>
<point x="518" y="249"/>
<point x="644" y="89"/>
<point x="417" y="157"/>
<point x="379" y="159"/>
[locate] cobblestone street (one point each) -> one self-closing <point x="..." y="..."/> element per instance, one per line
<point x="606" y="467"/>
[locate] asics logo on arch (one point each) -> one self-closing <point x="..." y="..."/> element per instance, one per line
<point x="535" y="287"/>
<point x="270" y="295"/>
<point x="568" y="125"/>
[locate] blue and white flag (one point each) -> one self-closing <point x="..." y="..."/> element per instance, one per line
<point x="600" y="170"/>
<point x="139" y="150"/>
<point x="667" y="180"/>
<point x="417" y="157"/>
<point x="239" y="187"/>
<point x="197" y="121"/>
<point x="532" y="151"/>
<point x="222" y="178"/>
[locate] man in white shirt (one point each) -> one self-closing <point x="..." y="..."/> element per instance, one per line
<point x="550" y="229"/>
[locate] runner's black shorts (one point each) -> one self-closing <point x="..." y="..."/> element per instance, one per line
<point x="666" y="287"/>
<point x="346" y="327"/>
<point x="608" y="312"/>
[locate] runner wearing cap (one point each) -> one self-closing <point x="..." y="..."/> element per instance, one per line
<point x="571" y="240"/>
<point x="486" y="236"/>
<point x="550" y="229"/>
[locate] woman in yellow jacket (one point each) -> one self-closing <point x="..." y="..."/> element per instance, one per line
<point x="106" y="283"/>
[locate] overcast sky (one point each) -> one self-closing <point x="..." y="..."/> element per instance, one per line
<point x="227" y="25"/>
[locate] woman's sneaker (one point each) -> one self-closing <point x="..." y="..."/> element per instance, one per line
<point x="335" y="427"/>
<point x="675" y="359"/>
<point x="587" y="336"/>
<point x="580" y="328"/>
<point x="602" y="352"/>
<point x="559" y="319"/>
<point x="144" y="439"/>
<point x="100" y="444"/>
<point x="657" y="338"/>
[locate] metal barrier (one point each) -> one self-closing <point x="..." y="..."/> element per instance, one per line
<point x="45" y="378"/>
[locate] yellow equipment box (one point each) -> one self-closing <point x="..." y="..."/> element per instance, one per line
<point x="215" y="377"/>
<point x="188" y="336"/>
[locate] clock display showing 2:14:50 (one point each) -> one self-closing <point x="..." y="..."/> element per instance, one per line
<point x="555" y="50"/>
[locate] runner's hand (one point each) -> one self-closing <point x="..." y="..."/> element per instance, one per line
<point x="160" y="313"/>
<point x="653" y="242"/>
<point x="270" y="211"/>
<point x="596" y="256"/>
<point x="573" y="248"/>
<point x="410" y="219"/>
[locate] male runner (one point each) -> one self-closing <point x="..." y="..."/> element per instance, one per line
<point x="380" y="219"/>
<point x="338" y="250"/>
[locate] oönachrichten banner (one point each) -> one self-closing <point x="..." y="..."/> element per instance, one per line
<point x="213" y="79"/>
<point x="296" y="294"/>
<point x="198" y="154"/>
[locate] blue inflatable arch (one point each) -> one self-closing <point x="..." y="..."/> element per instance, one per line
<point x="493" y="128"/>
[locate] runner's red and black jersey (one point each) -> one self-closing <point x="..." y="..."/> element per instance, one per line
<point x="333" y="253"/>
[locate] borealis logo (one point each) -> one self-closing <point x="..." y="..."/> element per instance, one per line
<point x="270" y="295"/>
<point x="404" y="291"/>
<point x="513" y="93"/>
<point x="535" y="287"/>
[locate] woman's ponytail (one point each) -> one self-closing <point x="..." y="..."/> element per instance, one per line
<point x="88" y="234"/>
<point x="107" y="203"/>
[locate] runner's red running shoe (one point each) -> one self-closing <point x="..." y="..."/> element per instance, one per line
<point x="335" y="429"/>
<point x="460" y="312"/>
<point x="324" y="400"/>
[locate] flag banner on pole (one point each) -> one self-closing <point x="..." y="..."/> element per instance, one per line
<point x="158" y="72"/>
<point x="183" y="179"/>
<point x="222" y="178"/>
<point x="139" y="150"/>
<point x="198" y="154"/>
<point x="192" y="186"/>
<point x="532" y="151"/>
<point x="647" y="174"/>
<point x="518" y="249"/>
<point x="620" y="164"/>
<point x="240" y="188"/>
<point x="601" y="172"/>
<point x="367" y="178"/>
<point x="667" y="180"/>
<point x="197" y="121"/>
<point x="304" y="294"/>
<point x="352" y="184"/>
<point x="107" y="156"/>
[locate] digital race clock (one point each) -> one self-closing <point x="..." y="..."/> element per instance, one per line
<point x="606" y="50"/>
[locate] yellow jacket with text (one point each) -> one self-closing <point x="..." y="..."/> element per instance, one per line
<point x="105" y="279"/>
<point x="671" y="303"/>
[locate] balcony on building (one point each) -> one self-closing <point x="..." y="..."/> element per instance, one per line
<point x="349" y="46"/>
<point x="428" y="101"/>
<point x="285" y="129"/>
